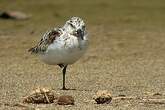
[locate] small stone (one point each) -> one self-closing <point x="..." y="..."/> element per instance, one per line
<point x="157" y="94"/>
<point x="102" y="96"/>
<point x="122" y="95"/>
<point x="65" y="100"/>
<point x="13" y="15"/>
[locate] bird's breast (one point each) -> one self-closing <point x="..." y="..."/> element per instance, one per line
<point x="64" y="51"/>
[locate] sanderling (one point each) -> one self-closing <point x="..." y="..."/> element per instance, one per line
<point x="63" y="46"/>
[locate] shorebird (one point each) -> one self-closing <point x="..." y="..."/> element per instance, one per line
<point x="63" y="46"/>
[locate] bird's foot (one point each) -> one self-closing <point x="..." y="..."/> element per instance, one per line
<point x="67" y="89"/>
<point x="64" y="88"/>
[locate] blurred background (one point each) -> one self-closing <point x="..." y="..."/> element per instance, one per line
<point x="113" y="13"/>
<point x="126" y="53"/>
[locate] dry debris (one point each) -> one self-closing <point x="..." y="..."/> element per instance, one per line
<point x="153" y="101"/>
<point x="40" y="95"/>
<point x="102" y="96"/>
<point x="149" y="99"/>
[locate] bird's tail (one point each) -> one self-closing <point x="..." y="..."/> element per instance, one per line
<point x="33" y="50"/>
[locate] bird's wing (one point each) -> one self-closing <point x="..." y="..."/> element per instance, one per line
<point x="47" y="39"/>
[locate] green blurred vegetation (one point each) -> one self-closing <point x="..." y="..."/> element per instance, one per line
<point x="139" y="14"/>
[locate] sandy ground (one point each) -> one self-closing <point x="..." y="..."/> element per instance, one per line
<point x="125" y="58"/>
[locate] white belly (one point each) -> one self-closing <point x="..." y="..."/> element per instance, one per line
<point x="64" y="52"/>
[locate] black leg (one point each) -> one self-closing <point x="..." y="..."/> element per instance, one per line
<point x="61" y="65"/>
<point x="64" y="72"/>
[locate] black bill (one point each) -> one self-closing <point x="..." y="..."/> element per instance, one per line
<point x="80" y="33"/>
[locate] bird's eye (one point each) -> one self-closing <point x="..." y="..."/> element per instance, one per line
<point x="71" y="25"/>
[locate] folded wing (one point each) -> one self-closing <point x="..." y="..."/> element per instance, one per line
<point x="46" y="40"/>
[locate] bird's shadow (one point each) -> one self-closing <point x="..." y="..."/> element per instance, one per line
<point x="68" y="89"/>
<point x="72" y="89"/>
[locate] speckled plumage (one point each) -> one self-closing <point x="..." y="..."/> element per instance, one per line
<point x="45" y="41"/>
<point x="63" y="46"/>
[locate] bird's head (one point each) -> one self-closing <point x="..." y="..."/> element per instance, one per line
<point x="76" y="26"/>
